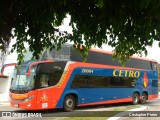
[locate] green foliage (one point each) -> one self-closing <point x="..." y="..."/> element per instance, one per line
<point x="129" y="26"/>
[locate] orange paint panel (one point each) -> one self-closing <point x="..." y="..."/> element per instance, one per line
<point x="24" y="105"/>
<point x="79" y="64"/>
<point x="60" y="88"/>
<point x="151" y="97"/>
<point x="53" y="93"/>
<point x="45" y="98"/>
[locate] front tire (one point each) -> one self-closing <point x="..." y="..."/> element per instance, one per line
<point x="135" y="98"/>
<point x="69" y="103"/>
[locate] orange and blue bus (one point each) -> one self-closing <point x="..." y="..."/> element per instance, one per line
<point x="67" y="82"/>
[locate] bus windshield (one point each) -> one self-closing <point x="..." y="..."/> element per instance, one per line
<point x="22" y="82"/>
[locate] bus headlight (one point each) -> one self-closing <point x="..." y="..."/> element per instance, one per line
<point x="29" y="98"/>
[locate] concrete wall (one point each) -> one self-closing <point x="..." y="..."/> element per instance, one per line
<point x="4" y="89"/>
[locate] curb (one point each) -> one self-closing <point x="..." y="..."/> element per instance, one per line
<point x="119" y="115"/>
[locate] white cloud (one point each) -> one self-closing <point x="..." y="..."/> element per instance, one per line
<point x="154" y="52"/>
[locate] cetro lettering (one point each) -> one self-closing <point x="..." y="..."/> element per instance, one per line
<point x="126" y="73"/>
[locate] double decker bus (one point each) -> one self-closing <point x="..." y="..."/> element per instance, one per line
<point x="66" y="82"/>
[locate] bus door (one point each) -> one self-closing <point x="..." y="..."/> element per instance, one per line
<point x="48" y="76"/>
<point x="44" y="96"/>
<point x="44" y="91"/>
<point x="48" y="92"/>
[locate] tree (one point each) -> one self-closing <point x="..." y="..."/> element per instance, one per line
<point x="127" y="25"/>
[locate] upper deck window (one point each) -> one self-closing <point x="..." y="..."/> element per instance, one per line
<point x="62" y="54"/>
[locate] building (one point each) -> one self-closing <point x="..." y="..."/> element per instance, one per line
<point x="6" y="76"/>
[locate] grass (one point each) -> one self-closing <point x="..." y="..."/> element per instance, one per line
<point x="103" y="115"/>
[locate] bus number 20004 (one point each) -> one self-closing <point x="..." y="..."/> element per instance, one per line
<point x="87" y="71"/>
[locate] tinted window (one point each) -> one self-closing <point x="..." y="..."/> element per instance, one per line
<point x="85" y="81"/>
<point x="154" y="65"/>
<point x="44" y="80"/>
<point x="81" y="81"/>
<point x="55" y="77"/>
<point x="123" y="82"/>
<point x="154" y="83"/>
<point x="103" y="58"/>
<point x="49" y="74"/>
<point x="61" y="54"/>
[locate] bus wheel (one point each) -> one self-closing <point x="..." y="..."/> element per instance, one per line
<point x="69" y="103"/>
<point x="144" y="98"/>
<point x="135" y="99"/>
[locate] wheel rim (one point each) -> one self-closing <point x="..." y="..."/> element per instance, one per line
<point x="144" y="98"/>
<point x="69" y="103"/>
<point x="135" y="99"/>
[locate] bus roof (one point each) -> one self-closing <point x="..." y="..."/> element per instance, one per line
<point x="108" y="52"/>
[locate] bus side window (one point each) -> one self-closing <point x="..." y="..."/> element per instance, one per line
<point x="43" y="82"/>
<point x="55" y="77"/>
<point x="154" y="65"/>
<point x="79" y="82"/>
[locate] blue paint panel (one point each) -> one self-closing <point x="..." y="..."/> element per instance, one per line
<point x="28" y="65"/>
<point x="88" y="95"/>
<point x="97" y="71"/>
<point x="102" y="94"/>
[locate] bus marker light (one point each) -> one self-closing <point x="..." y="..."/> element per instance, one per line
<point x="19" y="96"/>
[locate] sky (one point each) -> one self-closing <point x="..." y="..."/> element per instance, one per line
<point x="152" y="51"/>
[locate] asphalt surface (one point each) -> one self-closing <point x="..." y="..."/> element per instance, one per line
<point x="59" y="113"/>
<point x="55" y="114"/>
<point x="152" y="112"/>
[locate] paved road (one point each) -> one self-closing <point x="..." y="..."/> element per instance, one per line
<point x="152" y="111"/>
<point x="57" y="113"/>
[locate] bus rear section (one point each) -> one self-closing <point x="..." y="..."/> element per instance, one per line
<point x="91" y="84"/>
<point x="60" y="84"/>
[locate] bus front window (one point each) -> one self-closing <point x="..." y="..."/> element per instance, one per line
<point x="22" y="82"/>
